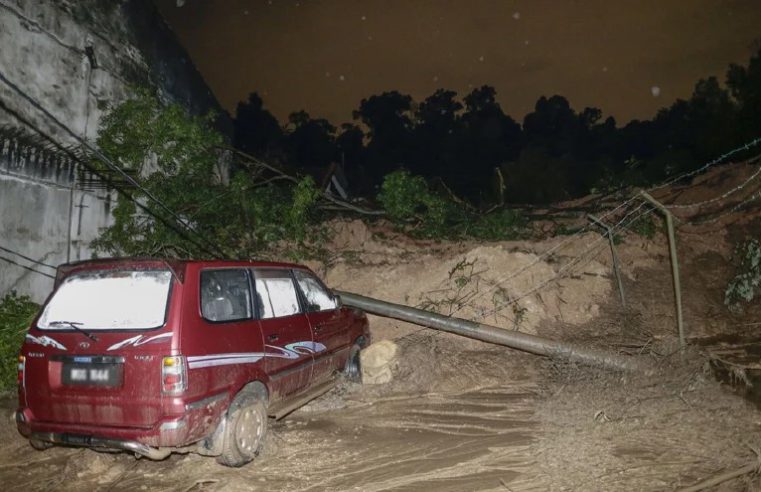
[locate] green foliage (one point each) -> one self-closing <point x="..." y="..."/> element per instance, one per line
<point x="407" y="199"/>
<point x="176" y="158"/>
<point x="744" y="285"/>
<point x="500" y="224"/>
<point x="304" y="198"/>
<point x="645" y="226"/>
<point x="16" y="312"/>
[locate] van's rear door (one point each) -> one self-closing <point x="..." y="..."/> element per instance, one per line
<point x="94" y="356"/>
<point x="92" y="385"/>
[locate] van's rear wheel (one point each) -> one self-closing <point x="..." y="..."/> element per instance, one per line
<point x="353" y="367"/>
<point x="245" y="430"/>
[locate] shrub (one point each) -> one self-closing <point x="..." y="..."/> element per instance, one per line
<point x="16" y="312"/>
<point x="744" y="285"/>
<point x="407" y="198"/>
<point x="500" y="224"/>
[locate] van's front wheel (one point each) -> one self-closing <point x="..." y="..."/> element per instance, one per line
<point x="245" y="430"/>
<point x="40" y="445"/>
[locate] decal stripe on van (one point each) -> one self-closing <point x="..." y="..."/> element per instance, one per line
<point x="223" y="360"/>
<point x="290" y="351"/>
<point x="138" y="340"/>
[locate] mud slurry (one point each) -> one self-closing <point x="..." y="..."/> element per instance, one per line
<point x="357" y="438"/>
<point x="468" y="441"/>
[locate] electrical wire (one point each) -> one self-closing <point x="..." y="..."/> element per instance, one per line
<point x="625" y="203"/>
<point x="27" y="267"/>
<point x="594" y="246"/>
<point x="215" y="249"/>
<point x="32" y="260"/>
<point x="723" y="195"/>
<point x="718" y="160"/>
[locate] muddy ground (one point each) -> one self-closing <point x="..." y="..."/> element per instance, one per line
<point x="527" y="425"/>
<point x="462" y="415"/>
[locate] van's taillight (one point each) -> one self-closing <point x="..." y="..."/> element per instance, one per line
<point x="21" y="369"/>
<point x="174" y="375"/>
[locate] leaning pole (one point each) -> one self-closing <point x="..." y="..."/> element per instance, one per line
<point x="520" y="341"/>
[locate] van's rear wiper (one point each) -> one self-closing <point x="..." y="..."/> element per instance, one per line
<point x="75" y="326"/>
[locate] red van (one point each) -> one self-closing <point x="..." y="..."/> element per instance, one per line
<point x="153" y="356"/>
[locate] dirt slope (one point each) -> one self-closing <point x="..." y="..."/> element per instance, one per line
<point x="462" y="415"/>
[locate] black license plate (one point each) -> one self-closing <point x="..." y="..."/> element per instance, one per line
<point x="92" y="374"/>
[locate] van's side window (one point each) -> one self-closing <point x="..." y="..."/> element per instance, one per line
<point x="225" y="295"/>
<point x="318" y="298"/>
<point x="275" y="293"/>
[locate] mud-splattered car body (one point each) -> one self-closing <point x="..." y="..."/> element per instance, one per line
<point x="151" y="356"/>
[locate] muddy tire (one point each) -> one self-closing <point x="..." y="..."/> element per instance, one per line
<point x="353" y="368"/>
<point x="40" y="445"/>
<point x="245" y="430"/>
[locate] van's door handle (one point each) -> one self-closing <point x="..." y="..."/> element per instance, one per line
<point x="272" y="338"/>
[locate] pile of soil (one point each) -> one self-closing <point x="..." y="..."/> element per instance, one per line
<point x="491" y="283"/>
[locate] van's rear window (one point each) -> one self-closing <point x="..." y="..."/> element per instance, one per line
<point x="109" y="300"/>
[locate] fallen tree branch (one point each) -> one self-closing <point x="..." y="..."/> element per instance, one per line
<point x="327" y="196"/>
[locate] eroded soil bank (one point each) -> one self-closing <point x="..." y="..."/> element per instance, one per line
<point x="463" y="415"/>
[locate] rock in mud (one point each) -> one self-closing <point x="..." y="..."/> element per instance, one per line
<point x="377" y="361"/>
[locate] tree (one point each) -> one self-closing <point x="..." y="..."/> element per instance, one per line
<point x="350" y="149"/>
<point x="745" y="86"/>
<point x="256" y="131"/>
<point x="437" y="135"/>
<point x="176" y="158"/>
<point x="388" y="119"/>
<point x="309" y="142"/>
<point x="489" y="139"/>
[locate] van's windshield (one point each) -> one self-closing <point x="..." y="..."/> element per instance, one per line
<point x="109" y="300"/>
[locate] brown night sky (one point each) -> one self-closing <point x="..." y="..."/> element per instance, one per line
<point x="325" y="56"/>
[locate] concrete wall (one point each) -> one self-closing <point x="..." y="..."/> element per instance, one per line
<point x="75" y="58"/>
<point x="46" y="220"/>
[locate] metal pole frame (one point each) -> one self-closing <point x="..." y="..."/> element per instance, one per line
<point x="674" y="263"/>
<point x="609" y="233"/>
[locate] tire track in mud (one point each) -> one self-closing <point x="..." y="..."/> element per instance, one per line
<point x="477" y="440"/>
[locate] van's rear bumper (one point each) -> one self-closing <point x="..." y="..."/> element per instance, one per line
<point x="102" y="443"/>
<point x="170" y="432"/>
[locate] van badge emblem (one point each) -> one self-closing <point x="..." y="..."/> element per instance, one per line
<point x="84" y="345"/>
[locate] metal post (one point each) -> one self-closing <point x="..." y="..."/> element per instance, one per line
<point x="492" y="334"/>
<point x="674" y="263"/>
<point x="613" y="254"/>
<point x="68" y="233"/>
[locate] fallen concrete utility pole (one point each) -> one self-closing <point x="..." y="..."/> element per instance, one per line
<point x="492" y="334"/>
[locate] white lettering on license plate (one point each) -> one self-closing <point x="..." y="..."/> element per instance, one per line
<point x="98" y="375"/>
<point x="78" y="374"/>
